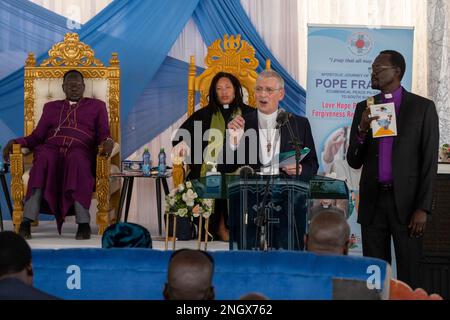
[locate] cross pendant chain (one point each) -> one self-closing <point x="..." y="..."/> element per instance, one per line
<point x="56" y="131"/>
<point x="61" y="123"/>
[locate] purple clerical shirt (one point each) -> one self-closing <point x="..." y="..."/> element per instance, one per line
<point x="385" y="144"/>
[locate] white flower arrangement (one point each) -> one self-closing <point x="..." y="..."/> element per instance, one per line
<point x="444" y="153"/>
<point x="183" y="201"/>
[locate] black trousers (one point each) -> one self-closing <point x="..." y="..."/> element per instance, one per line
<point x="376" y="239"/>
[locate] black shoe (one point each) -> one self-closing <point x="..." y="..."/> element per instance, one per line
<point x="25" y="230"/>
<point x="83" y="232"/>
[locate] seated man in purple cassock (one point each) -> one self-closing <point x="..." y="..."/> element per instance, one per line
<point x="65" y="145"/>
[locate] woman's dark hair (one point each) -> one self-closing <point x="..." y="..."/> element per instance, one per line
<point x="214" y="100"/>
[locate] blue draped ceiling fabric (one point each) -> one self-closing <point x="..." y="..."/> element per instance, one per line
<point x="153" y="86"/>
<point x="142" y="32"/>
<point x="24" y="27"/>
<point x="216" y="18"/>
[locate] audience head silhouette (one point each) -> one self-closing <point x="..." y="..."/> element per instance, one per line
<point x="328" y="233"/>
<point x="15" y="258"/>
<point x="16" y="272"/>
<point x="189" y="276"/>
<point x="126" y="234"/>
<point x="253" y="296"/>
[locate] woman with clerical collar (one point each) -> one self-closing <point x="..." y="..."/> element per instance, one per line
<point x="225" y="102"/>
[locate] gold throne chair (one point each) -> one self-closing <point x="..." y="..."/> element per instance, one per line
<point x="232" y="55"/>
<point x="42" y="84"/>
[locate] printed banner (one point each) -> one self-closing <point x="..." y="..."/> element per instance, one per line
<point x="339" y="58"/>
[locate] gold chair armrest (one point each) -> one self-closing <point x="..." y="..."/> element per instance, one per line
<point x="17" y="189"/>
<point x="103" y="169"/>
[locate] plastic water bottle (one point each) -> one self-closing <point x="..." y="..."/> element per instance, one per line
<point x="161" y="162"/>
<point x="146" y="163"/>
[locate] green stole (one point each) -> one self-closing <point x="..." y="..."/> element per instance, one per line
<point x="215" y="145"/>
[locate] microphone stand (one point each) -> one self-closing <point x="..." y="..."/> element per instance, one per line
<point x="297" y="146"/>
<point x="244" y="172"/>
<point x="261" y="219"/>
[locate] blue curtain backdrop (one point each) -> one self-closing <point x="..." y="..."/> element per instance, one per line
<point x="24" y="27"/>
<point x="141" y="31"/>
<point x="153" y="86"/>
<point x="153" y="92"/>
<point x="162" y="102"/>
<point x="216" y="18"/>
<point x="23" y="31"/>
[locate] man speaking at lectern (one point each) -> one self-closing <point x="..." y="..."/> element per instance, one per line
<point x="261" y="136"/>
<point x="267" y="146"/>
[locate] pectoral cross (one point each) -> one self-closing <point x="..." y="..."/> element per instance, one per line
<point x="269" y="146"/>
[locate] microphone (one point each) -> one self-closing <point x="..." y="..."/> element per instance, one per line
<point x="282" y="118"/>
<point x="246" y="171"/>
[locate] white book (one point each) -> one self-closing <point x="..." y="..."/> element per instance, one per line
<point x="386" y="124"/>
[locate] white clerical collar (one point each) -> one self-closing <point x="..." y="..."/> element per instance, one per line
<point x="71" y="103"/>
<point x="396" y="93"/>
<point x="268" y="117"/>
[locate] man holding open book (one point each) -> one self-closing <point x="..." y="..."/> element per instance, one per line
<point x="398" y="169"/>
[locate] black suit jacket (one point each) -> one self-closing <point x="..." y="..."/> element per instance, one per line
<point x="414" y="158"/>
<point x="300" y="127"/>
<point x="14" y="289"/>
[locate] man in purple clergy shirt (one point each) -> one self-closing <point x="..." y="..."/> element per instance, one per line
<point x="398" y="173"/>
<point x="65" y="144"/>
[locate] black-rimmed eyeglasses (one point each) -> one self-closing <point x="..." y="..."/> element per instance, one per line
<point x="378" y="69"/>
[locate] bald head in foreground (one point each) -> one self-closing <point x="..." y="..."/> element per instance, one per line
<point x="189" y="276"/>
<point x="253" y="296"/>
<point x="328" y="233"/>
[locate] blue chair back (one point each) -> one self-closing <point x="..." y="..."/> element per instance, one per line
<point x="136" y="273"/>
